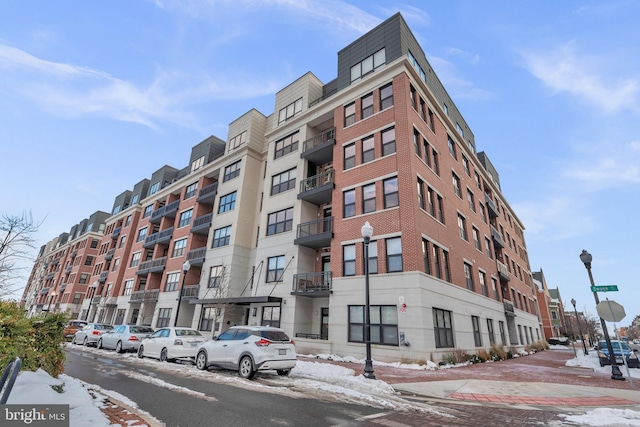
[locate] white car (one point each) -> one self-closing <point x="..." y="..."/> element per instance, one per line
<point x="124" y="337"/>
<point x="90" y="333"/>
<point x="248" y="349"/>
<point x="168" y="344"/>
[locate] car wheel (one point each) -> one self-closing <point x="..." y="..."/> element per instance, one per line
<point x="201" y="360"/>
<point x="245" y="369"/>
<point x="163" y="355"/>
<point x="141" y="352"/>
<point x="85" y="342"/>
<point x="119" y="347"/>
<point x="601" y="365"/>
<point x="99" y="343"/>
<point x="283" y="372"/>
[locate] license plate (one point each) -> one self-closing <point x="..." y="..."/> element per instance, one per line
<point x="193" y="344"/>
<point x="282" y="351"/>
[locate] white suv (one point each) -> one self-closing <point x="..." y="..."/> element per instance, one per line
<point x="248" y="349"/>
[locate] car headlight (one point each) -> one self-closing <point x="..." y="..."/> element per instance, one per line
<point x="602" y="355"/>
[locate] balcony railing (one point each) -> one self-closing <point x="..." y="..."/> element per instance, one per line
<point x="152" y="266"/>
<point x="497" y="237"/>
<point x="202" y="224"/>
<point x="116" y="233"/>
<point x="160" y="237"/>
<point x="315" y="234"/>
<point x="109" y="255"/>
<point x="144" y="296"/>
<point x="319" y="148"/>
<point x="196" y="256"/>
<point x="190" y="292"/>
<point x="318" y="188"/>
<point x="96" y="300"/>
<point x="208" y="194"/>
<point x="103" y="276"/>
<point x="312" y="283"/>
<point x="168" y="211"/>
<point x="503" y="271"/>
<point x="491" y="206"/>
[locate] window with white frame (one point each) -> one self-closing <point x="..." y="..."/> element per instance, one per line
<point x="368" y="149"/>
<point x="349" y="260"/>
<point x="238" y="141"/>
<point x="394" y="254"/>
<point x="128" y="287"/>
<point x="386" y="96"/>
<point x="368" y="65"/>
<point x="388" y="141"/>
<point x="216" y="275"/>
<point x="290" y="111"/>
<point x="197" y="164"/>
<point x="179" y="247"/>
<point x="154" y="188"/>
<point x="369" y="198"/>
<point x="191" y="190"/>
<point x="142" y="234"/>
<point x="468" y="275"/>
<point x="349" y="203"/>
<point x="172" y="282"/>
<point x="390" y="187"/>
<point x="231" y="171"/>
<point x="367" y="105"/>
<point x="135" y="259"/>
<point x="185" y="218"/>
<point x="349" y="156"/>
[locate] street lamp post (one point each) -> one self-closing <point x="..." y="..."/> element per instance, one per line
<point x="586" y="259"/>
<point x="367" y="232"/>
<point x="584" y="344"/>
<point x="185" y="268"/>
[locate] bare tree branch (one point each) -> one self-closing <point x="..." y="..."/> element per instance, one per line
<point x="16" y="249"/>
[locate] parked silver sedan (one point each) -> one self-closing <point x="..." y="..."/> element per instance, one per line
<point x="90" y="334"/>
<point x="124" y="337"/>
<point x="168" y="344"/>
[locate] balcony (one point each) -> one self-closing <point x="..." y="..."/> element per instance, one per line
<point x="144" y="296"/>
<point x="109" y="255"/>
<point x="503" y="271"/>
<point x="319" y="149"/>
<point x="196" y="256"/>
<point x="103" y="277"/>
<point x="492" y="208"/>
<point x="207" y="195"/>
<point x="508" y="308"/>
<point x="152" y="266"/>
<point x="315" y="234"/>
<point x="67" y="270"/>
<point x="165" y="211"/>
<point x="55" y="261"/>
<point x="161" y="237"/>
<point x="111" y="301"/>
<point x="44" y="291"/>
<point x="313" y="285"/>
<point x="190" y="292"/>
<point x="116" y="233"/>
<point x="50" y="276"/>
<point x="74" y="254"/>
<point x="497" y="237"/>
<point x="202" y="224"/>
<point x="96" y="300"/>
<point x="318" y="188"/>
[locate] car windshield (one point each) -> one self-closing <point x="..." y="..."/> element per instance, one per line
<point x="141" y="330"/>
<point x="187" y="333"/>
<point x="274" y="335"/>
<point x="616" y="345"/>
<point x="102" y="327"/>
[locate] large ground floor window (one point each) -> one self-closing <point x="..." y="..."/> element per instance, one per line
<point x="443" y="328"/>
<point x="384" y="324"/>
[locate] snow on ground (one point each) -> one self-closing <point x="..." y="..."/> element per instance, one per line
<point x="323" y="379"/>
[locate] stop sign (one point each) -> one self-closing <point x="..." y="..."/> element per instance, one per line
<point x="610" y="311"/>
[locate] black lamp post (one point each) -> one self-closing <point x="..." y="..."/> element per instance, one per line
<point x="367" y="232"/>
<point x="586" y="259"/>
<point x="185" y="268"/>
<point x="584" y="344"/>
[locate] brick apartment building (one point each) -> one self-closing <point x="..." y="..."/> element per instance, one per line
<point x="270" y="224"/>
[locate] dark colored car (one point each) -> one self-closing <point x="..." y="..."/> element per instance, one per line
<point x="620" y="348"/>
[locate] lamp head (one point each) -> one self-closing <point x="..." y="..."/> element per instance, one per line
<point x="186" y="266"/>
<point x="367" y="231"/>
<point x="586" y="258"/>
<point x="573" y="302"/>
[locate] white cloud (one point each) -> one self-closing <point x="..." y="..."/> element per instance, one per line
<point x="555" y="218"/>
<point x="586" y="77"/>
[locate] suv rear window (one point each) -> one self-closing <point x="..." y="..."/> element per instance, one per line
<point x="274" y="335"/>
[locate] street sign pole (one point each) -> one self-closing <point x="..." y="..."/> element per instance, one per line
<point x="615" y="330"/>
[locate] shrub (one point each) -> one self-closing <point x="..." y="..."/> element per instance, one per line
<point x="497" y="352"/>
<point x="484" y="355"/>
<point x="37" y="341"/>
<point x="474" y="358"/>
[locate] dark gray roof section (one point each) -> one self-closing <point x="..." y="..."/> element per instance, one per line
<point x="484" y="159"/>
<point x="140" y="190"/>
<point x="121" y="202"/>
<point x="165" y="176"/>
<point x="97" y="221"/>
<point x="62" y="239"/>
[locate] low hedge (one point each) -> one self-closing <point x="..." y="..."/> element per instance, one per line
<point x="37" y="341"/>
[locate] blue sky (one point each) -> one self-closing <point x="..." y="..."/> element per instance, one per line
<point x="95" y="96"/>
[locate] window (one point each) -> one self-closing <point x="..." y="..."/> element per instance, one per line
<point x="483" y="214"/>
<point x="349" y="202"/>
<point x="238" y="140"/>
<point x="390" y="192"/>
<point x="386" y="96"/>
<point x="494" y="288"/>
<point x="154" y="188"/>
<point x="430" y="120"/>
<point x="164" y="318"/>
<point x="443" y="328"/>
<point x="275" y="268"/>
<point x="446" y="108"/>
<point x="116" y="264"/>
<point x="349" y="114"/>
<point x="477" y="179"/>
<point x="416" y="142"/>
<point x="197" y="163"/>
<point x="452" y="147"/>
<point x="231" y="171"/>
<point x="368" y="65"/>
<point x="271" y="316"/>
<point x="178" y="247"/>
<point x="172" y="282"/>
<point x="477" y="336"/>
<point x="77" y="297"/>
<point x="283" y="181"/>
<point x="84" y="277"/>
<point x="191" y="190"/>
<point x="286" y="145"/>
<point x="135" y="259"/>
<point x="290" y="111"/>
<point x="413" y="96"/>
<point x="349" y="156"/>
<point x="487" y="246"/>
<point x="468" y="275"/>
<point x="462" y="227"/>
<point x="349" y="260"/>
<point x="128" y="287"/>
<point x="394" y="254"/>
<point x="483" y="283"/>
<point x="465" y="165"/>
<point x="368" y="152"/>
<point x="185" y="218"/>
<point x="502" y="335"/>
<point x="492" y="337"/>
<point x="367" y="105"/>
<point x="227" y="203"/>
<point x="383" y="321"/>
<point x="373" y="257"/>
<point x="470" y="199"/>
<point x="388" y="141"/>
<point x="221" y="236"/>
<point x="206" y="319"/>
<point x="421" y="199"/>
<point x="456" y="184"/>
<point x="147" y="211"/>
<point x="122" y="240"/>
<point x="369" y="198"/>
<point x="476" y="238"/>
<point x="459" y="129"/>
<point x="216" y="274"/>
<point x="142" y="233"/>
<point x="279" y="222"/>
<point x="88" y="261"/>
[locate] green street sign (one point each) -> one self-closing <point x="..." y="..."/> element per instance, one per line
<point x="607" y="288"/>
